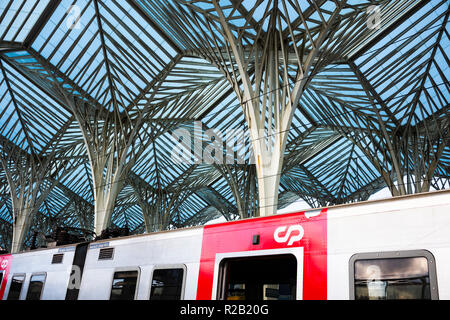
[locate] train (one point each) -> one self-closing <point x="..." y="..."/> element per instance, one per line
<point x="396" y="248"/>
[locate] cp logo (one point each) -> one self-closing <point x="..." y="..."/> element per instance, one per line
<point x="4" y="264"/>
<point x="296" y="229"/>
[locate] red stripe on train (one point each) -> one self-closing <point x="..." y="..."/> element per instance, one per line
<point x="5" y="264"/>
<point x="237" y="237"/>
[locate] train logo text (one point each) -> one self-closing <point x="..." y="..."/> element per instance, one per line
<point x="294" y="233"/>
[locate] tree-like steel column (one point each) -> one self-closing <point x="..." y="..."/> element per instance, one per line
<point x="282" y="67"/>
<point x="30" y="172"/>
<point x="160" y="204"/>
<point x="30" y="180"/>
<point x="114" y="140"/>
<point x="113" y="144"/>
<point x="115" y="135"/>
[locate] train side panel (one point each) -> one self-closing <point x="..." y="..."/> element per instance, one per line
<point x="420" y="222"/>
<point x="323" y="241"/>
<point x="40" y="262"/>
<point x="144" y="253"/>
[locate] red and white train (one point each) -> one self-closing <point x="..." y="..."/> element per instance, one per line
<point x="396" y="248"/>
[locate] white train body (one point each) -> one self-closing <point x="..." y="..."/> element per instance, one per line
<point x="394" y="248"/>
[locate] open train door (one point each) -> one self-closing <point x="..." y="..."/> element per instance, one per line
<point x="267" y="277"/>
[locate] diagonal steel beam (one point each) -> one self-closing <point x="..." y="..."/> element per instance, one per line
<point x="134" y="4"/>
<point x="41" y="22"/>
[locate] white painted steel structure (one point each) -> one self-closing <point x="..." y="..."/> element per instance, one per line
<point x="338" y="98"/>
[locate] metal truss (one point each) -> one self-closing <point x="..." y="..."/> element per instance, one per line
<point x="339" y="99"/>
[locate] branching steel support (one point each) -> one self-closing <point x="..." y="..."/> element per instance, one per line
<point x="269" y="99"/>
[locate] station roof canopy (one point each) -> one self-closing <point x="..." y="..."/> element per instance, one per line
<point x="375" y="108"/>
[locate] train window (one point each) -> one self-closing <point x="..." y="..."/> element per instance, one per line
<point x="16" y="287"/>
<point x="393" y="275"/>
<point x="124" y="285"/>
<point x="258" y="278"/>
<point x="35" y="287"/>
<point x="1" y="277"/>
<point x="167" y="284"/>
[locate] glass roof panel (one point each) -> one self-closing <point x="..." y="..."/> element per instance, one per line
<point x="19" y="16"/>
<point x="397" y="64"/>
<point x="137" y="56"/>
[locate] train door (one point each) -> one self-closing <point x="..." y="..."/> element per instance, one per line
<point x="272" y="277"/>
<point x="79" y="260"/>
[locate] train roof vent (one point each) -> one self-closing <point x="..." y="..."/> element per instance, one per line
<point x="106" y="254"/>
<point x="57" y="258"/>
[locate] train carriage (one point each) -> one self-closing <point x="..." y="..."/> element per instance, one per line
<point x="396" y="248"/>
